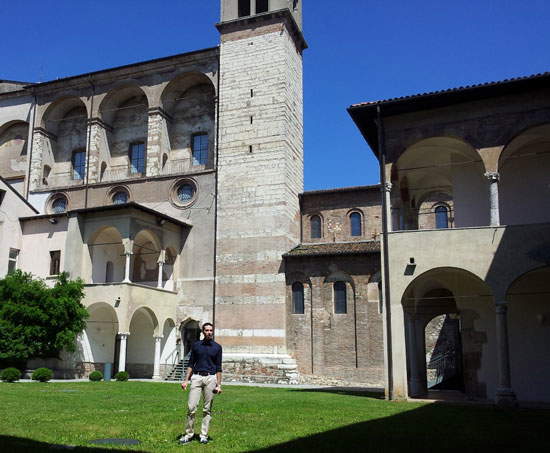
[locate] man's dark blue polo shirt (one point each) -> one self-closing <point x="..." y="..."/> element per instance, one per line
<point x="206" y="356"/>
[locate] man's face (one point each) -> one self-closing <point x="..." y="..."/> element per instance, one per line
<point x="208" y="332"/>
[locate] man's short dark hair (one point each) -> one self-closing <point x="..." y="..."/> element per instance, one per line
<point x="207" y="324"/>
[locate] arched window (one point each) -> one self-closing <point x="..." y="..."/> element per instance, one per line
<point x="441" y="217"/>
<point x="120" y="197"/>
<point x="355" y="224"/>
<point x="59" y="205"/>
<point x="340" y="297"/>
<point x="298" y="298"/>
<point x="315" y="224"/>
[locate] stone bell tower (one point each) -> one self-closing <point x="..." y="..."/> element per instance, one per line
<point x="260" y="174"/>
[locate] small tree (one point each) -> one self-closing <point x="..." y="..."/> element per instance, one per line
<point x="38" y="321"/>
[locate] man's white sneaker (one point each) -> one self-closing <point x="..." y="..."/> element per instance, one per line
<point x="203" y="439"/>
<point x="186" y="439"/>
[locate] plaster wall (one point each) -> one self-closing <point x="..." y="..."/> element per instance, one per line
<point x="40" y="237"/>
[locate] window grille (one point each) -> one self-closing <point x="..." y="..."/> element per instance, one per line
<point x="120" y="197"/>
<point x="59" y="205"/>
<point x="186" y="192"/>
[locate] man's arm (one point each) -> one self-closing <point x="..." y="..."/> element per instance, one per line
<point x="188" y="375"/>
<point x="218" y="388"/>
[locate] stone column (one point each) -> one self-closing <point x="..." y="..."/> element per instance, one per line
<point x="505" y="396"/>
<point x="387" y="196"/>
<point x="161" y="260"/>
<point x="127" y="268"/>
<point x="416" y="355"/>
<point x="155" y="127"/>
<point x="493" y="178"/>
<point x="98" y="139"/>
<point x="122" y="351"/>
<point x="156" y="366"/>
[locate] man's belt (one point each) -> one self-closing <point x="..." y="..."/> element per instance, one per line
<point x="204" y="373"/>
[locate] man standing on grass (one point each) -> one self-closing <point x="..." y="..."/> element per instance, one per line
<point x="204" y="373"/>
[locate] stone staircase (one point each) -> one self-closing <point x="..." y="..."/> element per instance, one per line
<point x="178" y="371"/>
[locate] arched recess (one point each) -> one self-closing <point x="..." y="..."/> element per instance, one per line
<point x="13" y="149"/>
<point x="146" y="255"/>
<point x="63" y="144"/>
<point x="168" y="354"/>
<point x="106" y="255"/>
<point x="440" y="169"/>
<point x="524" y="186"/>
<point x="190" y="333"/>
<point x="124" y="128"/>
<point x="529" y="333"/>
<point x="466" y="303"/>
<point x="97" y="342"/>
<point x="140" y="355"/>
<point x="189" y="100"/>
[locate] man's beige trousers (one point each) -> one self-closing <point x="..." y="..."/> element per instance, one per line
<point x="205" y="385"/>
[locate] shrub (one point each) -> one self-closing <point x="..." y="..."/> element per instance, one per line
<point x="42" y="375"/>
<point x="10" y="375"/>
<point x="96" y="376"/>
<point x="122" y="376"/>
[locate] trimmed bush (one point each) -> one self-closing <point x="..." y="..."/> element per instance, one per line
<point x="96" y="376"/>
<point x="42" y="374"/>
<point x="10" y="375"/>
<point x="122" y="376"/>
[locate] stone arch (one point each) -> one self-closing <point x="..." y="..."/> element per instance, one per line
<point x="529" y="333"/>
<point x="63" y="141"/>
<point x="446" y="165"/>
<point x="146" y="253"/>
<point x="124" y="115"/>
<point x="98" y="341"/>
<point x="189" y="100"/>
<point x="13" y="148"/>
<point x="144" y="326"/>
<point x="168" y="354"/>
<point x="105" y="246"/>
<point x="456" y="293"/>
<point x="522" y="170"/>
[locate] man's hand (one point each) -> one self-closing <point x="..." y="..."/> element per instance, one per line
<point x="184" y="384"/>
<point x="218" y="389"/>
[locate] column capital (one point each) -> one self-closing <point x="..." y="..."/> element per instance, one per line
<point x="501" y="307"/>
<point x="387" y="187"/>
<point x="158" y="337"/>
<point x="162" y="257"/>
<point x="123" y="335"/>
<point x="492" y="176"/>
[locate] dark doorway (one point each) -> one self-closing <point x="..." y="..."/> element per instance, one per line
<point x="191" y="332"/>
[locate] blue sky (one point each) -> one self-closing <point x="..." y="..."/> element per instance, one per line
<point x="360" y="50"/>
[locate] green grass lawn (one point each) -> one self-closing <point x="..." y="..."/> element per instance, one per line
<point x="39" y="417"/>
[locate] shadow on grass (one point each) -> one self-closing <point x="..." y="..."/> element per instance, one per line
<point x="9" y="444"/>
<point x="435" y="427"/>
<point x="351" y="391"/>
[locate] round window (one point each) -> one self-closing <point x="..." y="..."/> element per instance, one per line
<point x="120" y="197"/>
<point x="186" y="192"/>
<point x="59" y="205"/>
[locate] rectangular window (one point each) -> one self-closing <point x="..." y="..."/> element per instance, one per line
<point x="79" y="164"/>
<point x="12" y="260"/>
<point x="244" y="8"/>
<point x="200" y="149"/>
<point x="340" y="298"/>
<point x="55" y="262"/>
<point x="262" y="6"/>
<point x="137" y="158"/>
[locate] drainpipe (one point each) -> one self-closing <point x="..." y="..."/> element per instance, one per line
<point x="29" y="154"/>
<point x="88" y="145"/>
<point x="385" y="268"/>
<point x="216" y="191"/>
